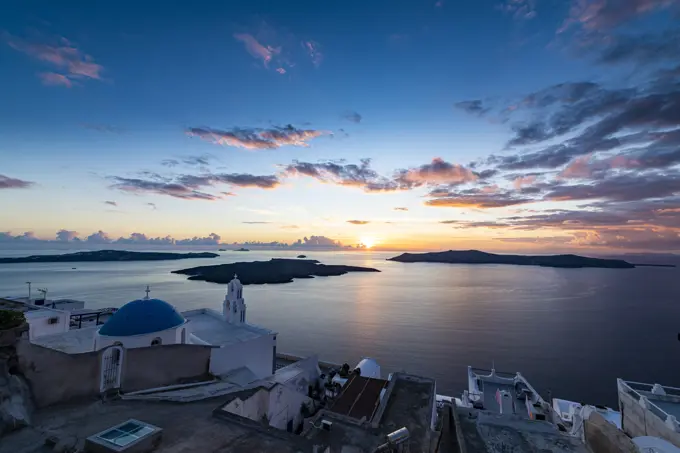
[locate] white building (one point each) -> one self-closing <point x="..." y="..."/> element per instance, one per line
<point x="148" y="322"/>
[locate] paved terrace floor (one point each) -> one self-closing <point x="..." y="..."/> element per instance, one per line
<point x="486" y="432"/>
<point x="187" y="428"/>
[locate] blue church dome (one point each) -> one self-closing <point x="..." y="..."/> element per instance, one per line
<point x="140" y="317"/>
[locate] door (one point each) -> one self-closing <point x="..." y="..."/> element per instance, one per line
<point x="112" y="360"/>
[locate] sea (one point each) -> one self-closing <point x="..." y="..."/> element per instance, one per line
<point x="570" y="332"/>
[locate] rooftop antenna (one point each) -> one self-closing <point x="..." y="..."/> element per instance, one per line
<point x="43" y="291"/>
<point x="29" y="291"/>
<point x="147" y="291"/>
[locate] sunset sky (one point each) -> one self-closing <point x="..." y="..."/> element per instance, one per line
<point x="401" y="124"/>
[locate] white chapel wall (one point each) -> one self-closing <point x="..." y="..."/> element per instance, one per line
<point x="257" y="354"/>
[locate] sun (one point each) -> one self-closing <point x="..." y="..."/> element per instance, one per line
<point x="367" y="241"/>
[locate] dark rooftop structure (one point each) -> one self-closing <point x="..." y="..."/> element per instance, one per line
<point x="408" y="402"/>
<point x="359" y="398"/>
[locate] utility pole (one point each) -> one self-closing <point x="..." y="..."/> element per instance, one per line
<point x="29" y="291"/>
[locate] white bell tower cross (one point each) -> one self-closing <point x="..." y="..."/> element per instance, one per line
<point x="233" y="307"/>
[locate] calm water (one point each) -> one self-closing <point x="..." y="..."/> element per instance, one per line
<point x="573" y="331"/>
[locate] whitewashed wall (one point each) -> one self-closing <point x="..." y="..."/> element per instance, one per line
<point x="284" y="405"/>
<point x="253" y="408"/>
<point x="168" y="336"/>
<point x="257" y="354"/>
<point x="38" y="321"/>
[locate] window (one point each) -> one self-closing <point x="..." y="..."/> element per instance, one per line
<point x="126" y="433"/>
<point x="54" y="320"/>
<point x="156" y="341"/>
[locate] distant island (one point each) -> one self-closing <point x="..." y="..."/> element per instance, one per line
<point x="107" y="255"/>
<point x="242" y="250"/>
<point x="477" y="257"/>
<point x="302" y="256"/>
<point x="276" y="270"/>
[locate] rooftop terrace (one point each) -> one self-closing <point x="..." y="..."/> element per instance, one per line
<point x="70" y="342"/>
<point x="209" y="326"/>
<point x="187" y="428"/>
<point x="487" y="432"/>
<point x="408" y="402"/>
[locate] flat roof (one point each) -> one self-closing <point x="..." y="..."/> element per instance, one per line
<point x="485" y="432"/>
<point x="187" y="427"/>
<point x="17" y="305"/>
<point x="209" y="326"/>
<point x="359" y="398"/>
<point x="410" y="405"/>
<point x="408" y="402"/>
<point x="71" y="342"/>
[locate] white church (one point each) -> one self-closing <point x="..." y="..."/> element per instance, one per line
<point x="231" y="342"/>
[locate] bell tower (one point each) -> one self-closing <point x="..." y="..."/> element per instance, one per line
<point x="233" y="307"/>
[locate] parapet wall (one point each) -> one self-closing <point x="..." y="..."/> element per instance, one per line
<point x="639" y="420"/>
<point x="158" y="366"/>
<point x="55" y="376"/>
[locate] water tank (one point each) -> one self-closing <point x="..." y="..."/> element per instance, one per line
<point x="369" y="368"/>
<point x="398" y="437"/>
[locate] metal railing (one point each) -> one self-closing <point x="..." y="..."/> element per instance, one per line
<point x="637" y="390"/>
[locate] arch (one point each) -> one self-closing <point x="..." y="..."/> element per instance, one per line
<point x="183" y="336"/>
<point x="156" y="341"/>
<point x="111" y="368"/>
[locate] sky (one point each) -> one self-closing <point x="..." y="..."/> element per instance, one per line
<point x="502" y="125"/>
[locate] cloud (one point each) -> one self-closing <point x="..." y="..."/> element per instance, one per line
<point x="257" y="223"/>
<point x="400" y="209"/>
<point x="111" y="203"/>
<point x="462" y="224"/>
<point x="359" y="222"/>
<point x="170" y="163"/>
<point x="256" y="49"/>
<point x="519" y="9"/>
<point x="99" y="237"/>
<point x="13" y="183"/>
<point x="255" y="138"/>
<point x="61" y="54"/>
<point x="352" y="175"/>
<point x="624" y="187"/>
<point x="228" y="194"/>
<point x="475" y="198"/>
<point x="189" y="187"/>
<point x="52" y="78"/>
<point x="475" y="107"/>
<point x="602" y="15"/>
<point x="354" y="117"/>
<point x="316" y="241"/>
<point x="173" y="189"/>
<point x="437" y="172"/>
<point x="521" y="181"/>
<point x="313" y="50"/>
<point x="290" y="227"/>
<point x="191" y="161"/>
<point x="67" y="236"/>
<point x="642" y="48"/>
<point x="152" y="206"/>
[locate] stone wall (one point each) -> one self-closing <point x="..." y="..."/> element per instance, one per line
<point x="159" y="366"/>
<point x="55" y="376"/>
<point x="603" y="437"/>
<point x="638" y="421"/>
